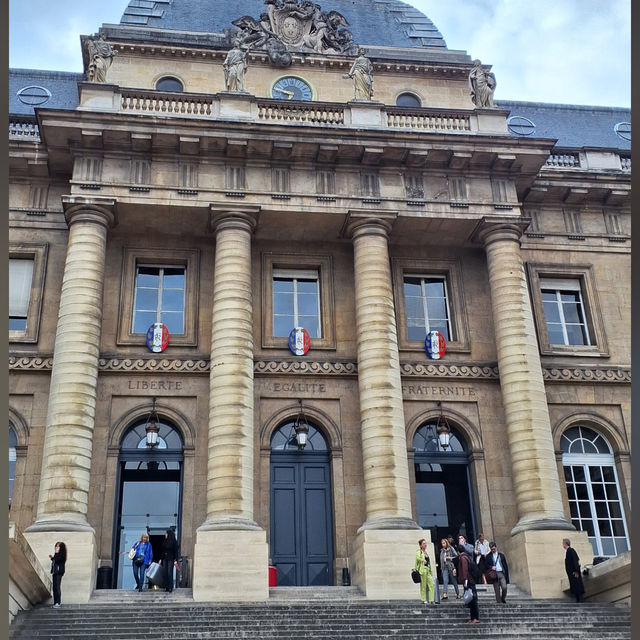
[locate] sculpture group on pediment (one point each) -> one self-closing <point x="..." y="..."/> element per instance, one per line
<point x="100" y="55"/>
<point x="295" y="25"/>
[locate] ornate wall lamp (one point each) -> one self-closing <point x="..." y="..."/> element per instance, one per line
<point x="301" y="428"/>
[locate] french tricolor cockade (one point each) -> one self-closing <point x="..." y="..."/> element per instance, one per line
<point x="435" y="345"/>
<point x="157" y="337"/>
<point x="299" y="341"/>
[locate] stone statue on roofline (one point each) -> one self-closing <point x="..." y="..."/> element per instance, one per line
<point x="100" y="58"/>
<point x="234" y="65"/>
<point x="362" y="73"/>
<point x="482" y="84"/>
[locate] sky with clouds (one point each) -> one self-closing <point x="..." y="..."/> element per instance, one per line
<point x="563" y="51"/>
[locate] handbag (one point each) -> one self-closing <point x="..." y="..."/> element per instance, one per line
<point x="138" y="561"/>
<point x="491" y="576"/>
<point x="131" y="554"/>
<point x="155" y="574"/>
<point x="467" y="596"/>
<point x="415" y="576"/>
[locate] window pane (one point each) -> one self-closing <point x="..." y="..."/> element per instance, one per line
<point x="308" y="305"/>
<point x="415" y="333"/>
<point x="571" y="313"/>
<point x="20" y="278"/>
<point x="17" y="324"/>
<point x="618" y="527"/>
<point x="414" y="308"/>
<point x="434" y="289"/>
<point x="604" y="527"/>
<point x="621" y="545"/>
<point x="594" y="472"/>
<point x="571" y="492"/>
<point x="601" y="509"/>
<point x="551" y="311"/>
<point x="308" y="286"/>
<point x="283" y="304"/>
<point x="555" y="334"/>
<point x="174" y="321"/>
<point x="585" y="510"/>
<point x="147" y="300"/>
<point x="598" y="492"/>
<point x="280" y="285"/>
<point x="549" y="296"/>
<point x="567" y="474"/>
<point x="173" y="279"/>
<point x="581" y="491"/>
<point x="143" y="320"/>
<point x="412" y="287"/>
<point x="147" y="277"/>
<point x="569" y="296"/>
<point x="573" y="507"/>
<point x="578" y="474"/>
<point x="587" y="526"/>
<point x="614" y="510"/>
<point x="172" y="300"/>
<point x="575" y="334"/>
<point x="608" y="547"/>
<point x="607" y="474"/>
<point x="310" y="323"/>
<point x="282" y="326"/>
<point x="441" y="326"/>
<point x="612" y="491"/>
<point x="436" y="308"/>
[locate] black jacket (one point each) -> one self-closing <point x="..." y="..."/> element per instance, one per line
<point x="169" y="551"/>
<point x="57" y="565"/>
<point x="571" y="562"/>
<point x="503" y="561"/>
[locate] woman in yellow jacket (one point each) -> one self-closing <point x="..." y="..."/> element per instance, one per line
<point x="423" y="567"/>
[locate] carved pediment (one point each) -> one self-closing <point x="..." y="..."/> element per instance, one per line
<point x="295" y="25"/>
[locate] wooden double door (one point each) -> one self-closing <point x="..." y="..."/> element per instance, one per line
<point x="301" y="518"/>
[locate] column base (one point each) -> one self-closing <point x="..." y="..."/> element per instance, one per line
<point x="382" y="560"/>
<point x="536" y="559"/>
<point x="81" y="567"/>
<point x="230" y="565"/>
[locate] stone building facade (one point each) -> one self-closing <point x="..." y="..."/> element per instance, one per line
<point x="144" y="191"/>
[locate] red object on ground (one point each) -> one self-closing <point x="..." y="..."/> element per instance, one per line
<point x="272" y="576"/>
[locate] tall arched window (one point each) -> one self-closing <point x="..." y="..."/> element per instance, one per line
<point x="284" y="438"/>
<point x="593" y="490"/>
<point x="13" y="443"/>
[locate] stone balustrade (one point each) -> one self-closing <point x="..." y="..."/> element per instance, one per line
<point x="561" y="160"/>
<point x="156" y="102"/>
<point x="300" y="112"/>
<point x="20" y="129"/>
<point x="427" y="120"/>
<point x="625" y="163"/>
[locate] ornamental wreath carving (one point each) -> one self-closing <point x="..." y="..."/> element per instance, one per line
<point x="295" y="25"/>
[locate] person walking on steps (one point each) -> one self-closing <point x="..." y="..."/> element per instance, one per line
<point x="142" y="559"/>
<point x="572" y="567"/>
<point x="447" y="553"/>
<point x="169" y="558"/>
<point x="467" y="581"/>
<point x="423" y="567"/>
<point x="497" y="562"/>
<point x="58" y="560"/>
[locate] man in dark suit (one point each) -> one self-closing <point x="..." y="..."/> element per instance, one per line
<point x="572" y="567"/>
<point x="496" y="561"/>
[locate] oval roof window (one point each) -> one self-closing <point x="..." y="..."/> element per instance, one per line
<point x="623" y="129"/>
<point x="33" y="95"/>
<point x="520" y="126"/>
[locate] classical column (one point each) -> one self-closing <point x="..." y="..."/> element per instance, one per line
<point x="388" y="538"/>
<point x="535" y="546"/>
<point x="66" y="463"/>
<point x="221" y="566"/>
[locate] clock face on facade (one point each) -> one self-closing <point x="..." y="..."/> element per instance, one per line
<point x="291" y="88"/>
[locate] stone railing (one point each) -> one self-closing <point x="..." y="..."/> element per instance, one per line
<point x="154" y="102"/>
<point x="23" y="129"/>
<point x="560" y="160"/>
<point x="300" y="112"/>
<point x="625" y="163"/>
<point x="427" y="120"/>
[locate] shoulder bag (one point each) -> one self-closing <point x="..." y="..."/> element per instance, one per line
<point x="467" y="596"/>
<point x="132" y="552"/>
<point x="415" y="576"/>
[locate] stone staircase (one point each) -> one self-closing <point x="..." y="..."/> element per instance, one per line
<point x="293" y="613"/>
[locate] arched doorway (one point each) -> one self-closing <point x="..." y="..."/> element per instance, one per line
<point x="301" y="522"/>
<point x="444" y="499"/>
<point x="149" y="493"/>
<point x="593" y="490"/>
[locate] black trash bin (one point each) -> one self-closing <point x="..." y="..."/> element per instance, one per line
<point x="105" y="575"/>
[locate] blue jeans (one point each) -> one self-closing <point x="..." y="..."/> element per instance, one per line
<point x="446" y="577"/>
<point x="138" y="574"/>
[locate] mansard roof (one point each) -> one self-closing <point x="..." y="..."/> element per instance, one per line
<point x="372" y="22"/>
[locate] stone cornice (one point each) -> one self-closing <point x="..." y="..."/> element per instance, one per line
<point x="487" y="371"/>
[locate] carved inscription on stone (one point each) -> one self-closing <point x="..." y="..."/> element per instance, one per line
<point x="155" y="385"/>
<point x="296" y="387"/>
<point x="440" y="391"/>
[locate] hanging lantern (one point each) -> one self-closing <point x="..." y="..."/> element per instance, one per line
<point x="443" y="430"/>
<point x="151" y="428"/>
<point x="301" y="429"/>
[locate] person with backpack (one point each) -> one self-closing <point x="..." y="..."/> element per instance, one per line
<point x="466" y="579"/>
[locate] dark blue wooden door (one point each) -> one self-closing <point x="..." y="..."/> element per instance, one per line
<point x="301" y="523"/>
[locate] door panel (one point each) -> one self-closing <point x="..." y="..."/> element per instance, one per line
<point x="301" y="522"/>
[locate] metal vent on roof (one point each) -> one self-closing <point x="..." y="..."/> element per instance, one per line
<point x="623" y="129"/>
<point x="520" y="126"/>
<point x="33" y="95"/>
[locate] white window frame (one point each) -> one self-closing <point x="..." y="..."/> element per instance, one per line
<point x="158" y="310"/>
<point x="295" y="275"/>
<point x="423" y="278"/>
<point x="558" y="285"/>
